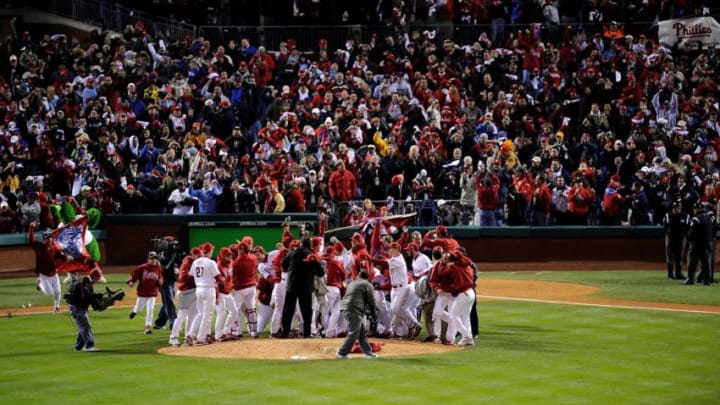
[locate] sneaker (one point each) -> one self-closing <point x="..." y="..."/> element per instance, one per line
<point x="132" y="315"/>
<point x="175" y="342"/>
<point x="91" y="349"/>
<point x="370" y="355"/>
<point x="56" y="310"/>
<point x="37" y="284"/>
<point x="254" y="335"/>
<point x="342" y="356"/>
<point x="189" y="341"/>
<point x="466" y="342"/>
<point x="148" y="330"/>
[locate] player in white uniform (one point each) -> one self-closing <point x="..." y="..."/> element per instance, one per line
<point x="421" y="266"/>
<point x="400" y="295"/>
<point x="205" y="272"/>
<point x="267" y="272"/>
<point x="225" y="307"/>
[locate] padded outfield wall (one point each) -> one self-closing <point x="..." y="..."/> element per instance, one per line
<point x="127" y="239"/>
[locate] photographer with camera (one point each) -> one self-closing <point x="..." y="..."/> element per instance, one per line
<point x="170" y="255"/>
<point x="80" y="296"/>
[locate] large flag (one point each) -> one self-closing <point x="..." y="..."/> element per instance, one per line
<point x="69" y="241"/>
<point x="375" y="227"/>
<point x="689" y="33"/>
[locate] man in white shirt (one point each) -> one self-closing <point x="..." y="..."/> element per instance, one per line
<point x="205" y="272"/>
<point x="401" y="293"/>
<point x="180" y="200"/>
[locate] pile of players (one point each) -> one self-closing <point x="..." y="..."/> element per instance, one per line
<point x="247" y="287"/>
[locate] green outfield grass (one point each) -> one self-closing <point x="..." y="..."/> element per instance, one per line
<point x="528" y="353"/>
<point x="629" y="285"/>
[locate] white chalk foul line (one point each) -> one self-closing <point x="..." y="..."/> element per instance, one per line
<point x="587" y="304"/>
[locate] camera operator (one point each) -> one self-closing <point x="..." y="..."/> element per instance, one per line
<point x="170" y="255"/>
<point x="80" y="296"/>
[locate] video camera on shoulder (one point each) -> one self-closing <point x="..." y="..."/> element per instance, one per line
<point x="101" y="302"/>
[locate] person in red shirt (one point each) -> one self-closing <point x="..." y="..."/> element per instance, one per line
<point x="612" y="204"/>
<point x="185" y="299"/>
<point x="541" y="202"/>
<point x="295" y="198"/>
<point x="487" y="186"/>
<point x="225" y="308"/>
<point x="335" y="273"/>
<point x="460" y="274"/>
<point x="244" y="280"/>
<point x="439" y="281"/>
<point x="48" y="280"/>
<point x="440" y="237"/>
<point x="342" y="187"/>
<point x="580" y="197"/>
<point x="148" y="277"/>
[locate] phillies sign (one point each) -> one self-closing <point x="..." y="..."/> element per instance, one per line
<point x="690" y="33"/>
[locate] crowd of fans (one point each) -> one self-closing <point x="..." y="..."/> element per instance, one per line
<point x="540" y="126"/>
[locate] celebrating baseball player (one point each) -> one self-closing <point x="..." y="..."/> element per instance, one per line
<point x="148" y="277"/>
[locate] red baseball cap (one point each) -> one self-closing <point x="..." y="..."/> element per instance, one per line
<point x="395" y="246"/>
<point x="312" y="258"/>
<point x="207" y="247"/>
<point x="412" y="246"/>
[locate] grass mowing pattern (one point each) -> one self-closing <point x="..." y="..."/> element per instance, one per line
<point x="629" y="285"/>
<point x="527" y="353"/>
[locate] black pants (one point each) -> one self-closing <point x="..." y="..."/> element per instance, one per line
<point x="304" y="299"/>
<point x="702" y="257"/>
<point x="673" y="257"/>
<point x="167" y="312"/>
<point x="474" y="318"/>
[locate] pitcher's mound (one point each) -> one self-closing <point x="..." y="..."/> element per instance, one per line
<point x="299" y="349"/>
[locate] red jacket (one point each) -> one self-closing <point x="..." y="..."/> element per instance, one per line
<point x="579" y="200"/>
<point x="225" y="270"/>
<point x="342" y="185"/>
<point x="148" y="278"/>
<point x="44" y="255"/>
<point x="461" y="277"/>
<point x="542" y="198"/>
<point x="438" y="277"/>
<point x="185" y="280"/>
<point x="335" y="272"/>
<point x="448" y="244"/>
<point x="295" y="201"/>
<point x="244" y="270"/>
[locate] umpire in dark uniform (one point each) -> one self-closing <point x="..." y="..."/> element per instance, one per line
<point x="676" y="224"/>
<point x="700" y="234"/>
<point x="302" y="266"/>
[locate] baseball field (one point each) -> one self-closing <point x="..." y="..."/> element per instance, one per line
<point x="569" y="337"/>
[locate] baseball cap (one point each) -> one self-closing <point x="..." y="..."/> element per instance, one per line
<point x="224" y="252"/>
<point x="152" y="254"/>
<point x="196" y="251"/>
<point x="395" y="246"/>
<point x="412" y="246"/>
<point x="207" y="247"/>
<point x="312" y="258"/>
